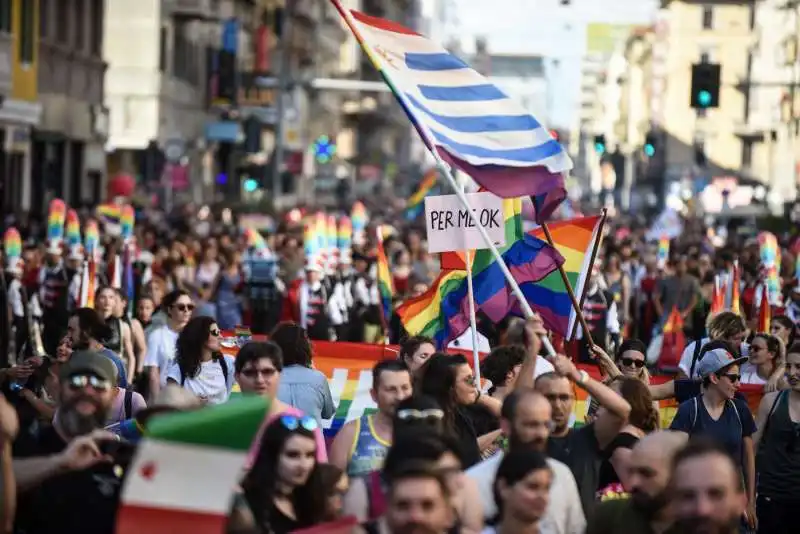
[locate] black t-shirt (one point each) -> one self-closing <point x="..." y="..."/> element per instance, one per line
<point x="608" y="475"/>
<point x="467" y="439"/>
<point x="581" y="452"/>
<point x="79" y="501"/>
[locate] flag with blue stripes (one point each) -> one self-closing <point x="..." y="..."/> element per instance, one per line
<point x="469" y="121"/>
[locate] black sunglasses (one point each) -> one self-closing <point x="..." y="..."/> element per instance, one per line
<point x="732" y="377"/>
<point x="630" y="362"/>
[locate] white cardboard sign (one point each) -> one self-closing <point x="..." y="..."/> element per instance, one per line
<point x="451" y="227"/>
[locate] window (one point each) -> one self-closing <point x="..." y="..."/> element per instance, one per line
<point x="97" y="14"/>
<point x="747" y="153"/>
<point x="708" y="17"/>
<point x="44" y="19"/>
<point x="27" y="31"/>
<point x="5" y="15"/>
<point x="162" y="50"/>
<point x="79" y="35"/>
<point x="62" y="19"/>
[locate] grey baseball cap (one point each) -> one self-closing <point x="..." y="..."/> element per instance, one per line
<point x="716" y="360"/>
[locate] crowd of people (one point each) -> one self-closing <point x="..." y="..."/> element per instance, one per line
<point x="442" y="452"/>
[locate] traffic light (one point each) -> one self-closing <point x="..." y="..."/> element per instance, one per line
<point x="600" y="144"/>
<point x="650" y="145"/>
<point x="705" y="85"/>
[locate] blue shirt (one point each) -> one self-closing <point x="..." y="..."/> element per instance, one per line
<point x="735" y="424"/>
<point x="307" y="390"/>
<point x="122" y="376"/>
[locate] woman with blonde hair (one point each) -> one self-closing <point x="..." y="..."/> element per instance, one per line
<point x="725" y="326"/>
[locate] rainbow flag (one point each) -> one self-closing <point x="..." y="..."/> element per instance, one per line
<point x="126" y="221"/>
<point x="109" y="213"/>
<point x="55" y="222"/>
<point x="770" y="254"/>
<point x="764" y="311"/>
<point x="735" y="302"/>
<point x="663" y="252"/>
<point x="575" y="240"/>
<point x="12" y="247"/>
<point x="462" y="117"/>
<point x="321" y="236"/>
<point x="310" y="240"/>
<point x="344" y="239"/>
<point x="359" y="220"/>
<point x="528" y="258"/>
<point x="385" y="284"/>
<point x="674" y="321"/>
<point x="91" y="239"/>
<point x="437" y="313"/>
<point x="331" y="243"/>
<point x="416" y="204"/>
<point x="717" y="297"/>
<point x="73" y="231"/>
<point x="254" y="240"/>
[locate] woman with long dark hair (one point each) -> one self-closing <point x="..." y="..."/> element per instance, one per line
<point x="283" y="491"/>
<point x="449" y="380"/>
<point x="178" y="308"/>
<point x="199" y="366"/>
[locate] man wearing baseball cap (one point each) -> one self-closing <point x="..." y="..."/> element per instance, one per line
<point x="65" y="471"/>
<point x="718" y="414"/>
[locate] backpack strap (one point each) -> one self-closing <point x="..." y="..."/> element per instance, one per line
<point x="128" y="404"/>
<point x="698" y="346"/>
<point x="771" y="411"/>
<point x="224" y="365"/>
<point x="694" y="413"/>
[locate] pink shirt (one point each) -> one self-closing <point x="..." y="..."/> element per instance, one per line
<point x="322" y="452"/>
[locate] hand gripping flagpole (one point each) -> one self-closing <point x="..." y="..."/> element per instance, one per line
<point x="442" y="166"/>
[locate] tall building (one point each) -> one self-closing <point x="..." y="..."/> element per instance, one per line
<point x="713" y="142"/>
<point x="774" y="106"/>
<point x="522" y="77"/>
<point x="68" y="156"/>
<point x="20" y="110"/>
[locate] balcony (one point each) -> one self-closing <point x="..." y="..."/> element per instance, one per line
<point x="63" y="71"/>
<point x="191" y="9"/>
<point x="750" y="129"/>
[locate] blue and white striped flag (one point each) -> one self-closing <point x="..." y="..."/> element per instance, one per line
<point x="469" y="121"/>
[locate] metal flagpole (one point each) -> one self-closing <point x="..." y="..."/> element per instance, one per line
<point x="473" y="321"/>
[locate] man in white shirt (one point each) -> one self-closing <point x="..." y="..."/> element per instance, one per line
<point x="526" y="420"/>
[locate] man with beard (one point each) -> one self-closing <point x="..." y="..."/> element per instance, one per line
<point x="526" y="421"/>
<point x="645" y="512"/>
<point x="67" y="480"/>
<point x="419" y="502"/>
<point x="707" y="494"/>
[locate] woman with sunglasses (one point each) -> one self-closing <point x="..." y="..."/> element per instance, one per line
<point x="778" y="460"/>
<point x="765" y="365"/>
<point x="199" y="366"/>
<point x="719" y="414"/>
<point x="283" y="491"/>
<point x="162" y="340"/>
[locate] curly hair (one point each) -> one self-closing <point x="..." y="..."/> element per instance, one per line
<point x="294" y="343"/>
<point x="411" y="344"/>
<point x="189" y="346"/>
<point x="496" y="366"/>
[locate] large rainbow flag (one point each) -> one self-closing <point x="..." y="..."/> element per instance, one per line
<point x="574" y="239"/>
<point x="348" y="367"/>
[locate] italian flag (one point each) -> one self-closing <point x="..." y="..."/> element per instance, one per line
<point x="187" y="467"/>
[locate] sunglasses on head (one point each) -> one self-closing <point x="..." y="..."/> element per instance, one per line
<point x="184" y="307"/>
<point x="630" y="362"/>
<point x="410" y="414"/>
<point x="292" y="422"/>
<point x="82" y="381"/>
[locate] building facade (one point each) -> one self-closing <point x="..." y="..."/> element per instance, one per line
<point x="20" y="110"/>
<point x="68" y="145"/>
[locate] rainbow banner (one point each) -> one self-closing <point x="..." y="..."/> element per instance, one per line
<point x="55" y="224"/>
<point x="73" y="231"/>
<point x="126" y="221"/>
<point x="12" y="246"/>
<point x="344" y="240"/>
<point x="332" y="244"/>
<point x="348" y="367"/>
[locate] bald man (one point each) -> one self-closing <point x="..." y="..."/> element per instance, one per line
<point x="526" y="420"/>
<point x="645" y="512"/>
